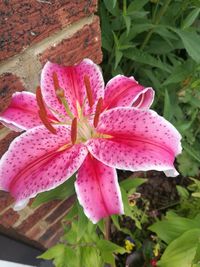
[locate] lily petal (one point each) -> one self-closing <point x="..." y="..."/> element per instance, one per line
<point x="136" y="140"/>
<point x="98" y="190"/>
<point x="38" y="161"/>
<point x="124" y="91"/>
<point x="22" y="113"/>
<point x="71" y="80"/>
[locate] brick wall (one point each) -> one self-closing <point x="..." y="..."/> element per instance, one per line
<point x="32" y="32"/>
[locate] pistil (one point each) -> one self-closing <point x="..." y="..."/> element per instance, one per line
<point x="61" y="95"/>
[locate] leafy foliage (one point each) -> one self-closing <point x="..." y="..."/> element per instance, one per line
<point x="82" y="244"/>
<point x="182" y="236"/>
<point x="158" y="43"/>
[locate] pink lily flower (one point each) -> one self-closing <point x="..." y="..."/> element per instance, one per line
<point x="74" y="124"/>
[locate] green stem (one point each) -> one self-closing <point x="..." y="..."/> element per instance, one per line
<point x="65" y="104"/>
<point x="157" y="20"/>
<point x="107" y="228"/>
<point x="124" y="7"/>
<point x="155" y="11"/>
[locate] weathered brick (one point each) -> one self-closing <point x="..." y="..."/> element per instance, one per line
<point x="38" y="214"/>
<point x="60" y="210"/>
<point x="29" y="21"/>
<point x="5" y="200"/>
<point x="55" y="238"/>
<point x="9" y="218"/>
<point x="9" y="84"/>
<point x="86" y="43"/>
<point x="5" y="142"/>
<point x="50" y="233"/>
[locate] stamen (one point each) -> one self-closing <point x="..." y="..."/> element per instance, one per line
<point x="55" y="81"/>
<point x="40" y="101"/>
<point x="57" y="86"/>
<point x="42" y="111"/>
<point x="88" y="91"/>
<point x="74" y="131"/>
<point x="98" y="112"/>
<point x="47" y="124"/>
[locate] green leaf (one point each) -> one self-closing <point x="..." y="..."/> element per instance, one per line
<point x="145" y="58"/>
<point x="82" y="223"/>
<point x="183" y="192"/>
<point x="90" y="257"/>
<point x="53" y="252"/>
<point x="179" y="73"/>
<point x="61" y="255"/>
<point x="191" y="151"/>
<point x="187" y="164"/>
<point x="107" y="37"/>
<point x="132" y="182"/>
<point x="71" y="236"/>
<point x="112" y="7"/>
<point x="165" y="33"/>
<point x="115" y="219"/>
<point x="196" y="194"/>
<point x="127" y="208"/>
<point x="168" y="113"/>
<point x="72" y="213"/>
<point x="190" y="19"/>
<point x="136" y="5"/>
<point x="63" y="191"/>
<point x="181" y="251"/>
<point x="173" y="226"/>
<point x="191" y="41"/>
<point x="107" y="248"/>
<point x="196" y="259"/>
<point x="127" y="20"/>
<point x="135" y="30"/>
<point x="118" y="57"/>
<point x="106" y="245"/>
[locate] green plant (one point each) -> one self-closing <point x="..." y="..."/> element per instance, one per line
<point x="83" y="243"/>
<point x="158" y="43"/>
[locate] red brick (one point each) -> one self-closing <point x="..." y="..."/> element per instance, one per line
<point x="5" y="200"/>
<point x="60" y="210"/>
<point x="54" y="239"/>
<point x="50" y="233"/>
<point x="35" y="232"/>
<point x="9" y="84"/>
<point x="38" y="214"/>
<point x="9" y="218"/>
<point x="29" y="21"/>
<point x="86" y="43"/>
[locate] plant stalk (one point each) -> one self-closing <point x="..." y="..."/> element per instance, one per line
<point x="107" y="228"/>
<point x="157" y="20"/>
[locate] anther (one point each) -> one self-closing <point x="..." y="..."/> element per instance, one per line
<point x="74" y="131"/>
<point x="98" y="112"/>
<point x="46" y="122"/>
<point x="42" y="111"/>
<point x="58" y="90"/>
<point x="39" y="99"/>
<point x="60" y="93"/>
<point x="88" y="90"/>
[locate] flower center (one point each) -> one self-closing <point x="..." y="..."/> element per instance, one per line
<point x="82" y="127"/>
